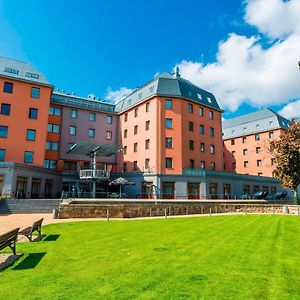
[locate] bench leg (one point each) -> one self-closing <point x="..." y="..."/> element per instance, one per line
<point x="13" y="248"/>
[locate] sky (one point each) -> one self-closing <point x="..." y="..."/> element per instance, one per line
<point x="245" y="52"/>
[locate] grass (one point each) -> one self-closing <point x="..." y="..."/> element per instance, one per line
<point x="224" y="257"/>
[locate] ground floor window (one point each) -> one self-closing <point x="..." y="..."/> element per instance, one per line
<point x="266" y="189"/>
<point x="48" y="188"/>
<point x="193" y="190"/>
<point x="227" y="190"/>
<point x="213" y="190"/>
<point x="21" y="187"/>
<point x="1" y="184"/>
<point x="255" y="189"/>
<point x="246" y="189"/>
<point x="168" y="190"/>
<point x="273" y="190"/>
<point x="35" y="188"/>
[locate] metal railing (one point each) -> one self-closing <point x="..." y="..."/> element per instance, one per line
<point x="94" y="174"/>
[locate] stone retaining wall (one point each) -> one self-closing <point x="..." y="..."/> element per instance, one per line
<point x="167" y="209"/>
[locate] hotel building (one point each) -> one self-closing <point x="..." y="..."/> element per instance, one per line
<point x="169" y="130"/>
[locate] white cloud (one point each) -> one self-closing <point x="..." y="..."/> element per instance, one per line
<point x="115" y="96"/>
<point x="245" y="71"/>
<point x="275" y="18"/>
<point x="291" y="110"/>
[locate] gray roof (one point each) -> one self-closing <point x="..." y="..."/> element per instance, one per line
<point x="167" y="85"/>
<point x="259" y="121"/>
<point x="80" y="102"/>
<point x="21" y="70"/>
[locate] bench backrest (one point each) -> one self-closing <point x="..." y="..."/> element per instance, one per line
<point x="8" y="238"/>
<point x="36" y="225"/>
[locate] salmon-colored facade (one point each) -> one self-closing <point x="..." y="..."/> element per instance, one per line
<point x="19" y="120"/>
<point x="143" y="134"/>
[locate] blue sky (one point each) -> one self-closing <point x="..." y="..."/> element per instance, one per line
<point x="103" y="46"/>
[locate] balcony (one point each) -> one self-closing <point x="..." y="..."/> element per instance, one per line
<point x="90" y="174"/>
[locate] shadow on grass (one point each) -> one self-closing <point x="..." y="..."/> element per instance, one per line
<point x="31" y="261"/>
<point x="51" y="238"/>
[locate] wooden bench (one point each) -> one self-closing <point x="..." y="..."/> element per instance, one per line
<point x="36" y="226"/>
<point x="9" y="239"/>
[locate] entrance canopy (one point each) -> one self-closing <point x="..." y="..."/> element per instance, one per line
<point x="92" y="149"/>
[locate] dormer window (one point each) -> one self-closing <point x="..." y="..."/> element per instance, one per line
<point x="209" y="100"/>
<point x="199" y="96"/>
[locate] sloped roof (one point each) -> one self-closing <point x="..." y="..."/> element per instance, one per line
<point x="21" y="70"/>
<point x="259" y="121"/>
<point x="168" y="85"/>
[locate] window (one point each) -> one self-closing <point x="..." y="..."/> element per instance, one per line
<point x="5" y="109"/>
<point x="50" y="164"/>
<point x="91" y="133"/>
<point x="53" y="128"/>
<point x="246" y="164"/>
<point x="135" y="147"/>
<point x="147" y="125"/>
<point x="213" y="165"/>
<point x="135" y="129"/>
<point x="201" y="129"/>
<point x="257" y="126"/>
<point x="168" y="104"/>
<point x="109" y="119"/>
<point x="191" y="108"/>
<point x="255" y="189"/>
<point x="108" y="135"/>
<point x="169" y="142"/>
<point x="271" y="134"/>
<point x="125" y="133"/>
<point x="70" y="145"/>
<point x="92" y="117"/>
<point x="212" y="149"/>
<point x="8" y="87"/>
<point x="125" y="117"/>
<point x="147" y="106"/>
<point x="35" y="92"/>
<point x="191" y="126"/>
<point x="209" y="100"/>
<point x="244" y="139"/>
<point x="232" y="142"/>
<point x="245" y="151"/>
<point x="54" y="111"/>
<point x="33" y="113"/>
<point x="191" y="164"/>
<point x="169" y="162"/>
<point x="2" y="154"/>
<point x="28" y="157"/>
<point x="125" y="149"/>
<point x="147" y="163"/>
<point x="199" y="96"/>
<point x="259" y="163"/>
<point x="259" y="174"/>
<point x="74" y="113"/>
<point x="135" y="166"/>
<point x="191" y="145"/>
<point x="3" y="131"/>
<point x="246" y="189"/>
<point x="201" y="112"/>
<point x="136" y="112"/>
<point x="271" y="123"/>
<point x="202" y="164"/>
<point x="211" y="131"/>
<point x="51" y="146"/>
<point x="233" y="153"/>
<point x="72" y="130"/>
<point x="30" y="135"/>
<point x="202" y="147"/>
<point x="169" y="123"/>
<point x="147" y="144"/>
<point x="245" y="129"/>
<point x="211" y="114"/>
<point x="257" y="137"/>
<point x="70" y="165"/>
<point x="258" y="150"/>
<point x="168" y="190"/>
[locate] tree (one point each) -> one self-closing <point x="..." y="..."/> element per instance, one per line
<point x="286" y="154"/>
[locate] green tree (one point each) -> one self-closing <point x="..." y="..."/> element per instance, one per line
<point x="286" y="152"/>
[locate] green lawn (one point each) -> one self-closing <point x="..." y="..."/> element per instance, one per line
<point x="222" y="257"/>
